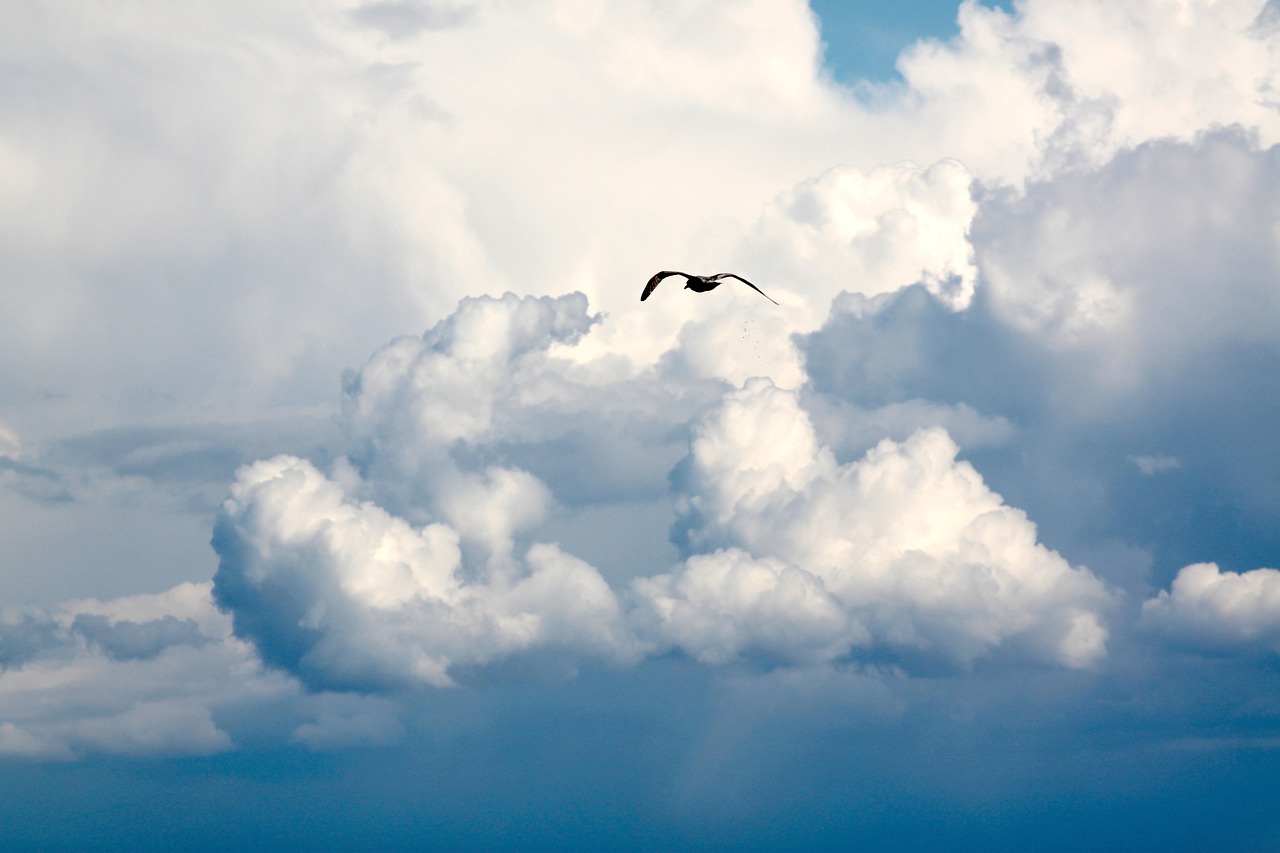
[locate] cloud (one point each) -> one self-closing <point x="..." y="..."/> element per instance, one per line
<point x="135" y="676"/>
<point x="1131" y="278"/>
<point x="347" y="596"/>
<point x="345" y="719"/>
<point x="944" y="472"/>
<point x="240" y="197"/>
<point x="1099" y="332"/>
<point x="417" y="556"/>
<point x="420" y="557"/>
<point x="1150" y="465"/>
<point x="403" y="18"/>
<point x="449" y="384"/>
<point x="919" y="554"/>
<point x="872" y="231"/>
<point x="158" y="675"/>
<point x="524" y="378"/>
<point x="126" y="640"/>
<point x="850" y="429"/>
<point x="1059" y="85"/>
<point x="1208" y="607"/>
<point x="35" y="482"/>
<point x="725" y="605"/>
<point x="23" y="636"/>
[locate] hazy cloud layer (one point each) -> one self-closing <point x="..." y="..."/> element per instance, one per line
<point x="152" y="675"/>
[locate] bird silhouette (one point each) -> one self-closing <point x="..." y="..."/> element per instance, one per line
<point x="700" y="283"/>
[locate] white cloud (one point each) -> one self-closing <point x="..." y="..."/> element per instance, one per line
<point x="1176" y="260"/>
<point x="871" y="231"/>
<point x="346" y="595"/>
<point x="285" y="185"/>
<point x="452" y="383"/>
<point x="523" y="374"/>
<point x="1060" y="83"/>
<point x="264" y="193"/>
<point x="727" y="604"/>
<point x="1206" y="606"/>
<point x="909" y="541"/>
<point x="790" y="554"/>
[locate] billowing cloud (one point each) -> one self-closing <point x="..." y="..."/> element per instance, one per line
<point x="1059" y="84"/>
<point x="906" y="545"/>
<point x="1209" y="607"/>
<point x="789" y="554"/>
<point x="1114" y="341"/>
<point x="1023" y="371"/>
<point x="522" y="377"/>
<point x="727" y="604"/>
<point x="872" y="231"/>
<point x="346" y="595"/>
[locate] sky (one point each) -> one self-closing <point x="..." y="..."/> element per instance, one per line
<point x="351" y="499"/>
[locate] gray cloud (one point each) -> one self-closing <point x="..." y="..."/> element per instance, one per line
<point x="23" y="636"/>
<point x="128" y="640"/>
<point x="1101" y="334"/>
<point x="405" y="18"/>
<point x="34" y="481"/>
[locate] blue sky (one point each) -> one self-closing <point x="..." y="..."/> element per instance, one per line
<point x="350" y="497"/>
<point x="863" y="40"/>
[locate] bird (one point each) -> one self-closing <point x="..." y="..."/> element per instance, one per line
<point x="700" y="283"/>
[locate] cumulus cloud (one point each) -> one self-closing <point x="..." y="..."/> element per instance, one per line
<point x="1059" y="84"/>
<point x="915" y="549"/>
<point x="23" y="636"/>
<point x="1075" y="293"/>
<point x="125" y="639"/>
<point x="451" y="384"/>
<point x="419" y="556"/>
<point x="728" y="604"/>
<point x="1209" y="607"/>
<point x="346" y="595"/>
<point x="850" y="429"/>
<point x="359" y="115"/>
<point x="524" y="378"/>
<point x="1159" y="273"/>
<point x="872" y="231"/>
<point x="1099" y="333"/>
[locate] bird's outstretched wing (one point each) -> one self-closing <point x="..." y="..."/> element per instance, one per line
<point x="724" y="275"/>
<point x="657" y="277"/>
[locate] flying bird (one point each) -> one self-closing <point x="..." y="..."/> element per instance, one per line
<point x="700" y="283"/>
